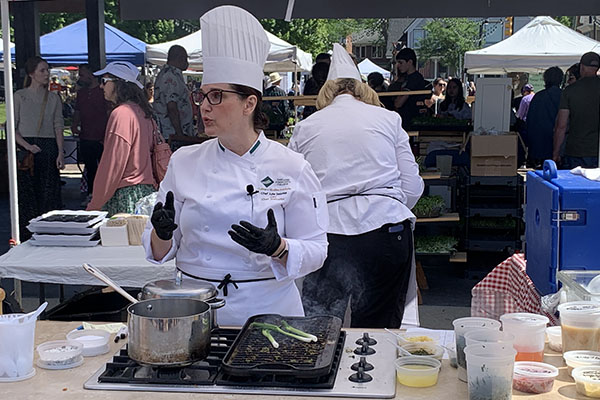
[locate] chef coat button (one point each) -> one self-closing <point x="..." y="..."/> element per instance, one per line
<point x="208" y="258"/>
<point x="206" y="228"/>
<point x="208" y="196"/>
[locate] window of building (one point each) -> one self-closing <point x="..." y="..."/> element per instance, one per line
<point x="418" y="35"/>
<point x="363" y="51"/>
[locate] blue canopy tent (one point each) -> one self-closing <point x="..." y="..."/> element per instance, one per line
<point x="68" y="45"/>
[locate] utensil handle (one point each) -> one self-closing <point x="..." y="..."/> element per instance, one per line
<point x="109" y="282"/>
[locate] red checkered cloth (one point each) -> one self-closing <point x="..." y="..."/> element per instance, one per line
<point x="507" y="289"/>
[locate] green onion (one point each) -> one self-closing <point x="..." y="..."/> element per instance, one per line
<point x="271" y="327"/>
<point x="297" y="331"/>
<point x="267" y="334"/>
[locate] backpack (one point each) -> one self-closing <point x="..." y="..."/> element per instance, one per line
<point x="160" y="154"/>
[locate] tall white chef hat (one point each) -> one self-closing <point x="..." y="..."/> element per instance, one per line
<point x="234" y="47"/>
<point x="342" y="65"/>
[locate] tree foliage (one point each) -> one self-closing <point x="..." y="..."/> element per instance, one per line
<point x="449" y="38"/>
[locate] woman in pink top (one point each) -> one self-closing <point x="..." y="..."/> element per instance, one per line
<point x="125" y="171"/>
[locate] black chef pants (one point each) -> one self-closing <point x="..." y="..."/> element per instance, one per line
<point x="372" y="270"/>
<point x="91" y="153"/>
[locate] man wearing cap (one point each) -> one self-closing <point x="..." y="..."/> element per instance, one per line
<point x="361" y="154"/>
<point x="579" y="109"/>
<point x="527" y="93"/>
<point x="240" y="211"/>
<point x="171" y="96"/>
<point x="277" y="111"/>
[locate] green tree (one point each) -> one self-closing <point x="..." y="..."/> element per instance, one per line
<point x="566" y="21"/>
<point x="449" y="38"/>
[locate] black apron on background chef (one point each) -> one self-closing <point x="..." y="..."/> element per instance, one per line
<point x="363" y="159"/>
<point x="210" y="188"/>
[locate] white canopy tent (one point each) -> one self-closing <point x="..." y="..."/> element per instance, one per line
<point x="540" y="44"/>
<point x="283" y="57"/>
<point x="367" y="66"/>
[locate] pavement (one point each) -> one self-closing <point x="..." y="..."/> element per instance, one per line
<point x="448" y="296"/>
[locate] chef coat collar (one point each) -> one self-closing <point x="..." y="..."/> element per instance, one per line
<point x="344" y="97"/>
<point x="253" y="149"/>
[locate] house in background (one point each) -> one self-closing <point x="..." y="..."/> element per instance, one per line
<point x="589" y="25"/>
<point x="370" y="45"/>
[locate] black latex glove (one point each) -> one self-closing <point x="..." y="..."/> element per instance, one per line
<point x="163" y="218"/>
<point x="262" y="241"/>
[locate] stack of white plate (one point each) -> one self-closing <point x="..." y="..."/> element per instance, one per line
<point x="67" y="228"/>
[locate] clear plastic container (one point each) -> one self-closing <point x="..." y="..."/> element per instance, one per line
<point x="417" y="371"/>
<point x="554" y="335"/>
<point x="94" y="341"/>
<point x="490" y="370"/>
<point x="461" y="327"/>
<point x="418" y="337"/>
<point x="488" y="336"/>
<point x="59" y="354"/>
<point x="580" y="323"/>
<point x="581" y="358"/>
<point x="587" y="381"/>
<point x="423" y="350"/>
<point x="530" y="334"/>
<point x="534" y="377"/>
<point x="16" y="347"/>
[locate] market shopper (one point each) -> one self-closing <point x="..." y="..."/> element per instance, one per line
<point x="241" y="211"/>
<point x="454" y="104"/>
<point x="579" y="109"/>
<point x="360" y="153"/>
<point x="541" y="118"/>
<point x="527" y="91"/>
<point x="278" y="111"/>
<point x="39" y="130"/>
<point x="89" y="123"/>
<point x="172" y="101"/>
<point x="438" y="94"/>
<point x="314" y="84"/>
<point x="125" y="171"/>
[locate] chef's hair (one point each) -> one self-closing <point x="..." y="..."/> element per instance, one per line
<point x="361" y="91"/>
<point x="259" y="118"/>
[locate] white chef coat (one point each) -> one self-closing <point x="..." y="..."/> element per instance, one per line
<point x="355" y="148"/>
<point x="209" y="184"/>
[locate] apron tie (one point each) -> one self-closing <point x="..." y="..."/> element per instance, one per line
<point x="225" y="282"/>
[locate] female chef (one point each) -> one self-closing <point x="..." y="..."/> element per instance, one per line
<point x="362" y="157"/>
<point x="241" y="211"/>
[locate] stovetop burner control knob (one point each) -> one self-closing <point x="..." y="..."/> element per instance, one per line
<point x="361" y="376"/>
<point x="362" y="364"/>
<point x="364" y="350"/>
<point x="366" y="339"/>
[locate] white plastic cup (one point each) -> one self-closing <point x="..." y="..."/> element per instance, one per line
<point x="490" y="370"/>
<point x="580" y="325"/>
<point x="488" y="336"/>
<point x="461" y="327"/>
<point x="530" y="334"/>
<point x="16" y="347"/>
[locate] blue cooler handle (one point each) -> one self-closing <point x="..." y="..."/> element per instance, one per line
<point x="550" y="171"/>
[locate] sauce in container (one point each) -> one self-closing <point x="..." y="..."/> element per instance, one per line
<point x="534" y="377"/>
<point x="587" y="381"/>
<point x="415" y="371"/>
<point x="580" y="323"/>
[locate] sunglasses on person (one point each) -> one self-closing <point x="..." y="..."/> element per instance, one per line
<point x="215" y="96"/>
<point x="105" y="79"/>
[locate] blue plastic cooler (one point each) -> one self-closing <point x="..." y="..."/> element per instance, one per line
<point x="562" y="225"/>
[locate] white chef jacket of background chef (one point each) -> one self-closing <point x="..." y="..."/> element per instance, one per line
<point x="209" y="186"/>
<point x="354" y="147"/>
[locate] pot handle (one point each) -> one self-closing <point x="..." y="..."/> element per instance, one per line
<point x="215" y="304"/>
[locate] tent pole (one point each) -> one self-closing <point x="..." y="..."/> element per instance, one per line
<point x="10" y="124"/>
<point x="294" y="84"/>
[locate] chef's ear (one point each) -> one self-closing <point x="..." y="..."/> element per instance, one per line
<point x="250" y="104"/>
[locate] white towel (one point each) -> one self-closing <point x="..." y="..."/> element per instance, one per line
<point x="592" y="174"/>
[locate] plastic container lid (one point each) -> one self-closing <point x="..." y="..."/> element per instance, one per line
<point x="587" y="380"/>
<point x="580" y="358"/>
<point x="94" y="341"/>
<point x="433" y="350"/>
<point x="431" y="365"/>
<point x="75" y="362"/>
<point x="531" y="369"/>
<point x="527" y="320"/>
<point x="59" y="352"/>
<point x="579" y="310"/>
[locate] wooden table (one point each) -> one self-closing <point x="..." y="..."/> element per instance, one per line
<point x="68" y="384"/>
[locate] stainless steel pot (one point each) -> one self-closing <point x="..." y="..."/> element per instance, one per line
<point x="169" y="332"/>
<point x="184" y="289"/>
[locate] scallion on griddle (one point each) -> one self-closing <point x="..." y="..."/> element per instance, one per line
<point x="272" y="327"/>
<point x="297" y="331"/>
<point x="268" y="335"/>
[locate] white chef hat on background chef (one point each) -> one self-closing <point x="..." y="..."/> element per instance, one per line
<point x="342" y="65"/>
<point x="234" y="47"/>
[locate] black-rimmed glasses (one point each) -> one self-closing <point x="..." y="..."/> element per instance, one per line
<point x="215" y="96"/>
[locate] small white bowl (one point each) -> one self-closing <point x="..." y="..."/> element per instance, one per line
<point x="94" y="341"/>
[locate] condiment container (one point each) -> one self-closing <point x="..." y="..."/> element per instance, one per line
<point x="417" y="371"/>
<point x="534" y="377"/>
<point x="490" y="370"/>
<point x="418" y="337"/>
<point x="553" y="333"/>
<point x="461" y="327"/>
<point x="530" y="334"/>
<point x="423" y="350"/>
<point x="580" y="323"/>
<point x="60" y="354"/>
<point x="94" y="341"/>
<point x="581" y="358"/>
<point x="17" y="335"/>
<point x="587" y="381"/>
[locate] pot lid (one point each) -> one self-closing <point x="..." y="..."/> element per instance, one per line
<point x="186" y="289"/>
